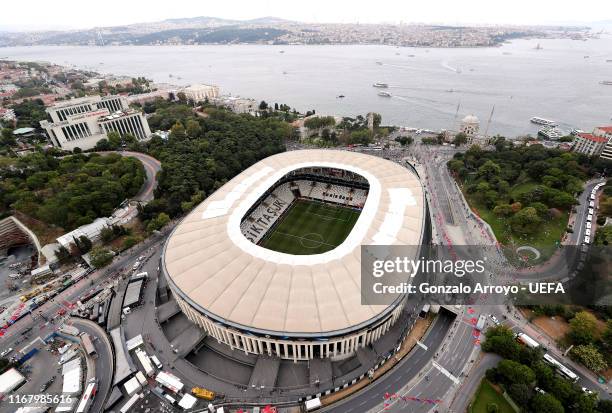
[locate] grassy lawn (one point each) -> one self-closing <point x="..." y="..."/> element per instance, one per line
<point x="311" y="227"/>
<point x="544" y="239"/>
<point x="487" y="395"/>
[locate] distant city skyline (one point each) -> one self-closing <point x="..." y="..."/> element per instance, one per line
<point x="70" y="14"/>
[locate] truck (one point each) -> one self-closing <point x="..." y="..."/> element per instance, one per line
<point x="203" y="393"/>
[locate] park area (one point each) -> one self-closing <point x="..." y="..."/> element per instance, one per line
<point x="486" y="398"/>
<point x="550" y="232"/>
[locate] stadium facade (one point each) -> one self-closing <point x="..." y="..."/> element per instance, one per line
<point x="247" y="293"/>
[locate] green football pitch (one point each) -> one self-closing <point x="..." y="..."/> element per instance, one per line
<point x="311" y="227"/>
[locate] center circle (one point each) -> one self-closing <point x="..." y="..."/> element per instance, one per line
<point x="310" y="240"/>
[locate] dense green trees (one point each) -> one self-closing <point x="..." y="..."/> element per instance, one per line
<point x="202" y="153"/>
<point x="523" y="369"/>
<point x="70" y="191"/>
<point x="524" y="187"/>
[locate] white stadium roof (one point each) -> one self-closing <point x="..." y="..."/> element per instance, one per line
<point x="225" y="276"/>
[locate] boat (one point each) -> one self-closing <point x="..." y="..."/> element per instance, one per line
<point x="281" y="51"/>
<point x="384" y="94"/>
<point x="551" y="132"/>
<point x="606" y="82"/>
<point x="410" y="55"/>
<point x="340" y="96"/>
<point x="379" y="63"/>
<point x="381" y="85"/>
<point x="608" y="60"/>
<point x="542" y="121"/>
<point x="538" y="47"/>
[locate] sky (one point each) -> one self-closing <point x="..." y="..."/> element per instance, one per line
<point x="78" y="14"/>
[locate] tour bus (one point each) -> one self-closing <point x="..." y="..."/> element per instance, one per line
<point x="526" y="340"/>
<point x="560" y="368"/>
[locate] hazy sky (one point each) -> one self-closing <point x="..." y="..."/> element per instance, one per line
<point x="46" y="14"/>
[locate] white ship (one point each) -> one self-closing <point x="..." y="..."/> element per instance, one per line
<point x="381" y="85"/>
<point x="384" y="94"/>
<point x="542" y="121"/>
<point x="606" y="82"/>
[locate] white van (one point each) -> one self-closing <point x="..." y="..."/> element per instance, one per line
<point x="588" y="225"/>
<point x="590" y="218"/>
<point x="592" y="204"/>
<point x="587" y="232"/>
<point x="156" y="361"/>
<point x="587" y="239"/>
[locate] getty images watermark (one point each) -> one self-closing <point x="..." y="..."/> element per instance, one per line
<point x="470" y="274"/>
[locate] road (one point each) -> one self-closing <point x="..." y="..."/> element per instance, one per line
<point x="104" y="362"/>
<point x="392" y="382"/>
<point x="152" y="167"/>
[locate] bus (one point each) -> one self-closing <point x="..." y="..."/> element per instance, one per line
<point x="560" y="368"/>
<point x="88" y="396"/>
<point x="88" y="345"/>
<point x="526" y="340"/>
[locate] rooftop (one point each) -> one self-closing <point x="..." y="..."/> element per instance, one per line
<point x="230" y="279"/>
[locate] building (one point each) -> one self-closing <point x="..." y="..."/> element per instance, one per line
<point x="237" y="104"/>
<point x="91" y="231"/>
<point x="199" y="93"/>
<point x="470" y="126"/>
<point x="142" y="98"/>
<point x="605" y="132"/>
<point x="589" y="144"/>
<point x="82" y="122"/>
<point x="294" y="307"/>
<point x="8" y="115"/>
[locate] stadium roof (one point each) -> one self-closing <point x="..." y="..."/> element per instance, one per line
<point x="228" y="278"/>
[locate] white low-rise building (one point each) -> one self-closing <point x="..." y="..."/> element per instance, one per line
<point x="82" y="122"/>
<point x="91" y="231"/>
<point x="200" y="92"/>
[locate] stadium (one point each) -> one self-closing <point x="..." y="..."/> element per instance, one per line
<point x="269" y="264"/>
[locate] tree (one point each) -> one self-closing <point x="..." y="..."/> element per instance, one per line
<point x="107" y="234"/>
<point x="100" y="257"/>
<point x="515" y="373"/>
<point x="489" y="170"/>
<point x="62" y="254"/>
<point x="178" y="131"/>
<point x="546" y="403"/>
<point x="521" y="393"/>
<point x="84" y="244"/>
<point x="114" y="139"/>
<point x="582" y="328"/>
<point x="263" y="105"/>
<point x="460" y="139"/>
<point x="181" y="97"/>
<point x="589" y="356"/>
<point x="157" y="223"/>
<point x="605" y="206"/>
<point x="193" y="128"/>
<point x="526" y="221"/>
<point x="503" y="210"/>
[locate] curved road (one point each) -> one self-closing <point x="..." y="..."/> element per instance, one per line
<point x="152" y="167"/>
<point x="104" y="362"/>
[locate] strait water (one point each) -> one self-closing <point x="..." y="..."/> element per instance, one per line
<point x="559" y="81"/>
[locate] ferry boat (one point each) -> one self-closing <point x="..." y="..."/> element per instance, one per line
<point x="542" y="121"/>
<point x="550" y="132"/>
<point x="384" y="94"/>
<point x="606" y="82"/>
<point x="381" y="85"/>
